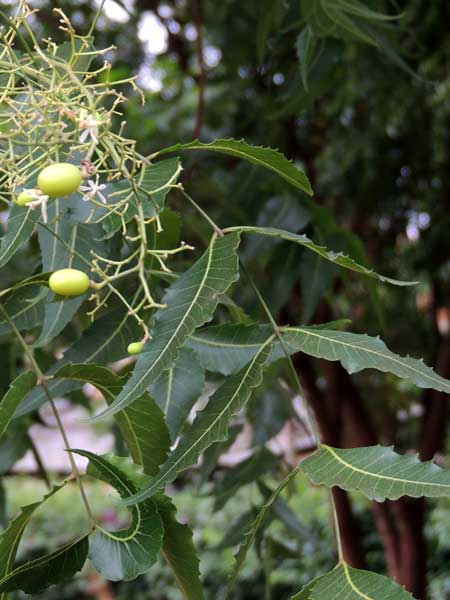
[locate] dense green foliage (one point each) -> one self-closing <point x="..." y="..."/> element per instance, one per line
<point x="357" y="96"/>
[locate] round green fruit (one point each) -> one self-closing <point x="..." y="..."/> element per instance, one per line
<point x="24" y="198"/>
<point x="135" y="348"/>
<point x="59" y="180"/>
<point x="69" y="282"/>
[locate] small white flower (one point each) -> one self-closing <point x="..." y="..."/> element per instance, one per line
<point x="89" y="124"/>
<point x="40" y="200"/>
<point x="92" y="189"/>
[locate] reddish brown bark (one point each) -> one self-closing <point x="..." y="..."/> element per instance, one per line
<point x="327" y="413"/>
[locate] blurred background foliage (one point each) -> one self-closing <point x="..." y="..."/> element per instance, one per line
<point x="362" y="102"/>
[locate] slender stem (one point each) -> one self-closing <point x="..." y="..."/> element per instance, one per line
<point x="207" y="218"/>
<point x="336" y="528"/>
<point x="95" y="19"/>
<point x="293" y="371"/>
<point x="42" y="381"/>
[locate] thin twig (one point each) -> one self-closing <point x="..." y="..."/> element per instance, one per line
<point x="42" y="381"/>
<point x="293" y="371"/>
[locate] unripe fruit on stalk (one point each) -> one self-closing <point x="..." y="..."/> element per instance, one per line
<point x="24" y="198"/>
<point x="135" y="348"/>
<point x="59" y="180"/>
<point x="69" y="282"/>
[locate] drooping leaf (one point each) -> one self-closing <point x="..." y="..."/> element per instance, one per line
<point x="124" y="555"/>
<point x="335" y="257"/>
<point x="237" y="529"/>
<point x="344" y="19"/>
<point x="191" y="302"/>
<point x="264" y="157"/>
<point x="146" y="434"/>
<point x="357" y="352"/>
<point x="156" y="180"/>
<point x="179" y="551"/>
<point x="258" y="523"/>
<point x="177" y="390"/>
<point x="21" y="222"/>
<point x="150" y="187"/>
<point x="378" y="472"/>
<point x="211" y="424"/>
<point x="281" y="509"/>
<point x="307" y="46"/>
<point x="212" y="454"/>
<point x="11" y="537"/>
<point x="227" y="348"/>
<point x="142" y="424"/>
<point x="37" y="575"/>
<point x="25" y="308"/>
<point x="18" y="390"/>
<point x="104" y="342"/>
<point x="316" y="278"/>
<point x="244" y="473"/>
<point x="352" y="584"/>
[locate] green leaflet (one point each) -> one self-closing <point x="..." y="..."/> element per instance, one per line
<point x="264" y="157"/>
<point x="25" y="308"/>
<point x="227" y="348"/>
<point x="211" y="424"/>
<point x="153" y="183"/>
<point x="191" y="302"/>
<point x="21" y="222"/>
<point x="250" y="536"/>
<point x="246" y="472"/>
<point x="156" y="180"/>
<point x="352" y="584"/>
<point x="378" y="472"/>
<point x="177" y="390"/>
<point x="357" y="352"/>
<point x="308" y="47"/>
<point x="335" y="257"/>
<point x="148" y="440"/>
<point x="179" y="551"/>
<point x="142" y="424"/>
<point x="18" y="390"/>
<point x="124" y="555"/>
<point x="344" y="19"/>
<point x="37" y="575"/>
<point x="103" y="342"/>
<point x="11" y="537"/>
<point x="145" y="431"/>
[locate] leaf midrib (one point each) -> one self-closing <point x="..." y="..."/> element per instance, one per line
<point x="180" y="324"/>
<point x="379" y="476"/>
<point x="352" y="585"/>
<point x="218" y="417"/>
<point x="3" y="253"/>
<point x="368" y="350"/>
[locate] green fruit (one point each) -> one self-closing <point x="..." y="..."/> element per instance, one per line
<point x="135" y="348"/>
<point x="24" y="198"/>
<point x="69" y="282"/>
<point x="59" y="180"/>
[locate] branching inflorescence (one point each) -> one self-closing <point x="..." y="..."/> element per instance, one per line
<point x="58" y="105"/>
